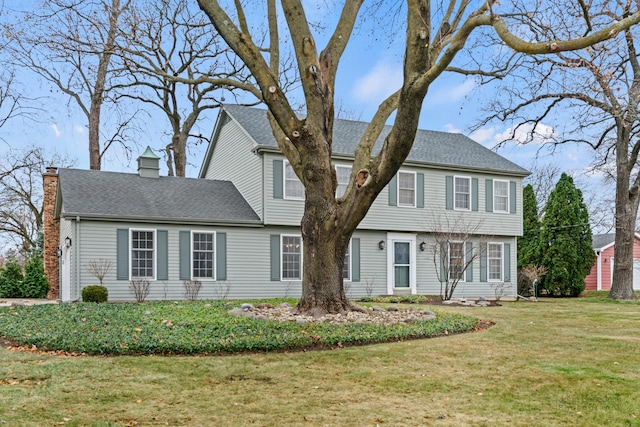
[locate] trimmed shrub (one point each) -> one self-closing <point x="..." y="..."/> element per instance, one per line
<point x="35" y="283"/>
<point x="95" y="293"/>
<point x="11" y="279"/>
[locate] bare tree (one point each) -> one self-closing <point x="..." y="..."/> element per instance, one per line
<point x="99" y="268"/>
<point x="435" y="35"/>
<point x="592" y="97"/>
<point x="21" y="196"/>
<point x="177" y="63"/>
<point x="455" y="246"/>
<point x="70" y="44"/>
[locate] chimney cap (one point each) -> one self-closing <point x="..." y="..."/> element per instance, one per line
<point x="52" y="170"/>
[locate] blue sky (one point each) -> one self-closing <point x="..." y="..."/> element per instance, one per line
<point x="368" y="73"/>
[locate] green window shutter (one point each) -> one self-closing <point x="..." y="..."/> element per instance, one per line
<point x="278" y="179"/>
<point x="420" y="190"/>
<point x="393" y="191"/>
<point x="507" y="262"/>
<point x="469" y="256"/>
<point x="122" y="254"/>
<point x="483" y="262"/>
<point x="355" y="260"/>
<point x="444" y="261"/>
<point x="474" y="194"/>
<point x="488" y="191"/>
<point x="163" y="255"/>
<point x="449" y="192"/>
<point x="275" y="257"/>
<point x="512" y="197"/>
<point x="221" y="256"/>
<point x="185" y="255"/>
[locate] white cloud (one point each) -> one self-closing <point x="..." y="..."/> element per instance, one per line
<point x="485" y="136"/>
<point x="523" y="134"/>
<point x="56" y="131"/>
<point x="450" y="128"/>
<point x="383" y="80"/>
<point x="451" y="94"/>
<point x="79" y="129"/>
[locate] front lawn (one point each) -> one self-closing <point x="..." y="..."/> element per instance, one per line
<point x="193" y="327"/>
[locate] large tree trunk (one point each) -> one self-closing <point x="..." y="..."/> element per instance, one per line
<point x="94" y="134"/>
<point x="626" y="213"/>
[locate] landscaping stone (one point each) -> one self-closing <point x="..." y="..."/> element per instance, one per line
<point x="247" y="306"/>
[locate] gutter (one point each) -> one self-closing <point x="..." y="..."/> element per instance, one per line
<point x="176" y="221"/>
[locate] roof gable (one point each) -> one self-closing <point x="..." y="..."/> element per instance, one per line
<point x="126" y="196"/>
<point x="431" y="148"/>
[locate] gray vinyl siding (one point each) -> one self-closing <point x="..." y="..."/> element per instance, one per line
<point x="427" y="278"/>
<point x="233" y="160"/>
<point x="385" y="215"/>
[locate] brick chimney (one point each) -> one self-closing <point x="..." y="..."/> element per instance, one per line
<point x="51" y="232"/>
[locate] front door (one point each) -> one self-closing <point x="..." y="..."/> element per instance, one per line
<point x="401" y="263"/>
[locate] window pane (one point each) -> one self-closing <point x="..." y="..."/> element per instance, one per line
<point x="401" y="277"/>
<point x="346" y="270"/>
<point x="291" y="257"/>
<point x="202" y="255"/>
<point x="495" y="262"/>
<point x="500" y="196"/>
<point x="406" y="189"/>
<point x="462" y="193"/>
<point x="142" y="254"/>
<point x="401" y="253"/>
<point x="456" y="260"/>
<point x="293" y="188"/>
<point x="342" y="173"/>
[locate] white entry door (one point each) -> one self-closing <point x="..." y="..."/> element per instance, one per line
<point x="401" y="263"/>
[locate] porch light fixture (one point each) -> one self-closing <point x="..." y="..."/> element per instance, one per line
<point x="381" y="245"/>
<point x="67" y="242"/>
<point x="423" y="246"/>
<point x="59" y="251"/>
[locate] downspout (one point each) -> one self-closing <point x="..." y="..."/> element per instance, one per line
<point x="599" y="271"/>
<point x="76" y="256"/>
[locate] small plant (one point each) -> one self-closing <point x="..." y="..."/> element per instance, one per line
<point x="35" y="283"/>
<point x="369" y="285"/>
<point x="222" y="290"/>
<point x="99" y="268"/>
<point x="499" y="289"/>
<point x="95" y="293"/>
<point x="140" y="289"/>
<point x="192" y="289"/>
<point x="11" y="279"/>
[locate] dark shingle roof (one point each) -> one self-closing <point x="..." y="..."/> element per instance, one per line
<point x="432" y="148"/>
<point x="127" y="196"/>
<point x="599" y="241"/>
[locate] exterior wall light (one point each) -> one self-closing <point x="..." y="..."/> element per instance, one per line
<point x="423" y="246"/>
<point x="67" y="242"/>
<point x="381" y="244"/>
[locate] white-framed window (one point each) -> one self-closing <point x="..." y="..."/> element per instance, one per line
<point x="346" y="270"/>
<point x="293" y="188"/>
<point x="291" y="256"/>
<point x="462" y="193"/>
<point x="343" y="173"/>
<point x="143" y="254"/>
<point x="494" y="261"/>
<point x="456" y="261"/>
<point x="203" y="255"/>
<point x="407" y="189"/>
<point x="500" y="196"/>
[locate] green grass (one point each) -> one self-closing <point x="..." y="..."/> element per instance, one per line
<point x="556" y="362"/>
<point x="192" y="328"/>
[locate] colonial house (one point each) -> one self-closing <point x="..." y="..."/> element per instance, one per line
<point x="235" y="228"/>
<point x="601" y="274"/>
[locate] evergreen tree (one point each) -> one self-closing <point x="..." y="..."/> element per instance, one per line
<point x="35" y="283"/>
<point x="565" y="240"/>
<point x="528" y="244"/>
<point x="10" y="279"/>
